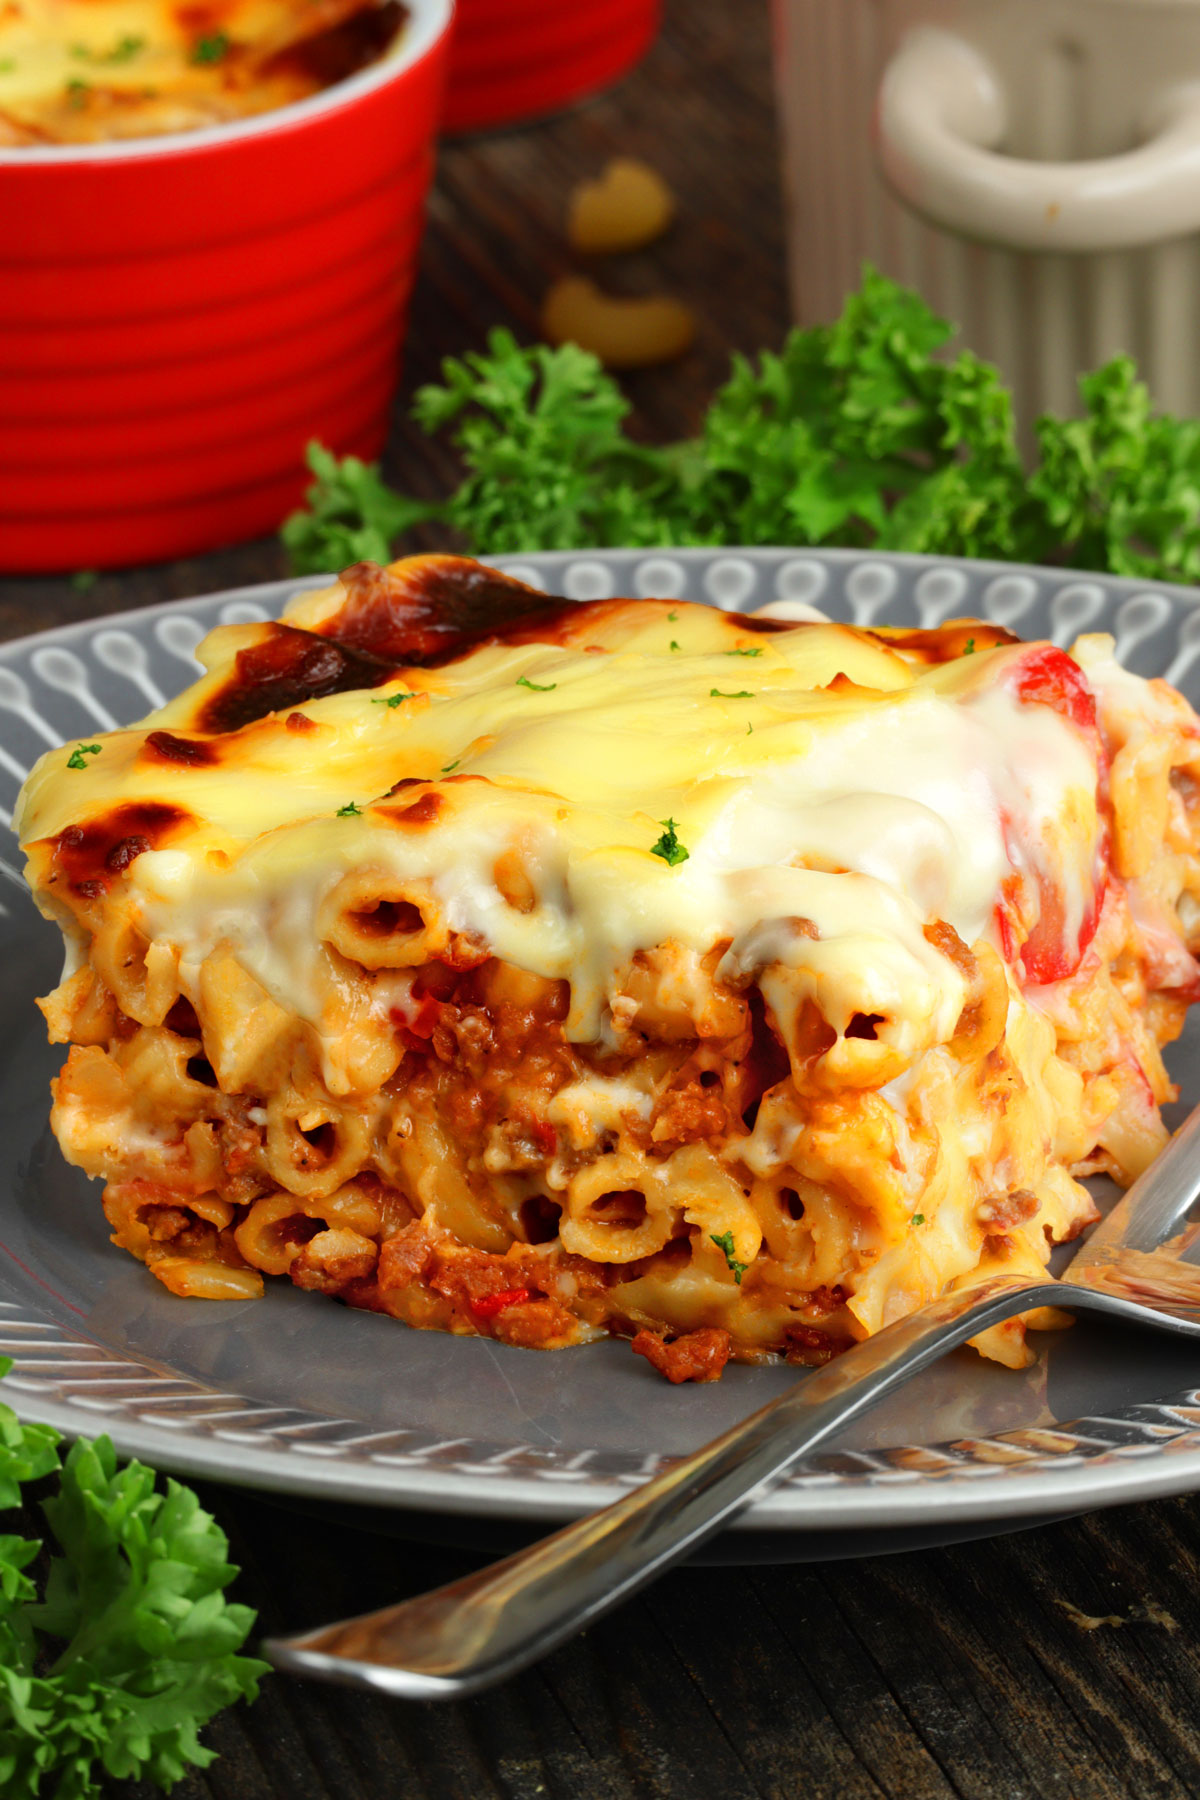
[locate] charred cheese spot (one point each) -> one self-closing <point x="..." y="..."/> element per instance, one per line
<point x="284" y="670"/>
<point x="430" y="608"/>
<point x="422" y="812"/>
<point x="88" y="856"/>
<point x="963" y="637"/>
<point x="187" y="753"/>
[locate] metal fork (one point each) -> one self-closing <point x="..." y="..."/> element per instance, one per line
<point x="477" y="1631"/>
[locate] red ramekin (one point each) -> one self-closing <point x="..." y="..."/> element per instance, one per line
<point x="180" y="315"/>
<point x="520" y="59"/>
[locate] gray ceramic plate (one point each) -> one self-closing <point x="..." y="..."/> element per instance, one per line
<point x="297" y="1394"/>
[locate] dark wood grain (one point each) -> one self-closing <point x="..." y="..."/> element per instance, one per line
<point x="949" y="1673"/>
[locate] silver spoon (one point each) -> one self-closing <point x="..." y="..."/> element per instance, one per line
<point x="477" y="1631"/>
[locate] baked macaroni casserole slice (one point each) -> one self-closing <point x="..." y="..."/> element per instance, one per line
<point x="539" y="970"/>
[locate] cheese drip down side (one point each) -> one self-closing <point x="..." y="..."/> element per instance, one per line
<point x="811" y="773"/>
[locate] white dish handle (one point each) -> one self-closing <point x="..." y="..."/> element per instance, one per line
<point x="940" y="113"/>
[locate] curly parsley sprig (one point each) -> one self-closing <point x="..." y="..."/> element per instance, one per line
<point x="133" y="1646"/>
<point x="863" y="433"/>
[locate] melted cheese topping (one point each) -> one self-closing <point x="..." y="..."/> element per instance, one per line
<point x="813" y="774"/>
<point x="81" y="71"/>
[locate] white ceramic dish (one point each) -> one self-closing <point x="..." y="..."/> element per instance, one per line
<point x="304" y="1397"/>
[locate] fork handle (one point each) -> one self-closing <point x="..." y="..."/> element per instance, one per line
<point x="477" y="1631"/>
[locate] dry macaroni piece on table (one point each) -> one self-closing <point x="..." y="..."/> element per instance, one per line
<point x="538" y="970"/>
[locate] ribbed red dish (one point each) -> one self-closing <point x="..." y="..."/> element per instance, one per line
<point x="517" y="59"/>
<point x="180" y="315"/>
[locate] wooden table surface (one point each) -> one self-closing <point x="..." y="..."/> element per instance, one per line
<point x="956" y="1672"/>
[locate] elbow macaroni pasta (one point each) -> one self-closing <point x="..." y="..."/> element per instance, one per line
<point x="414" y="1008"/>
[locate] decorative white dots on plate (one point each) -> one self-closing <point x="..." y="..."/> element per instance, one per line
<point x="242" y="612"/>
<point x="15" y="697"/>
<point x="62" y="669"/>
<point x="589" y="581"/>
<point x="527" y="573"/>
<point x="869" y="587"/>
<point x="1189" y="649"/>
<point x="1073" y="609"/>
<point x="660" y="578"/>
<point x="1138" y="618"/>
<point x="938" y="593"/>
<point x="121" y="652"/>
<point x="729" y="582"/>
<point x="1008" y="598"/>
<point x="803" y="579"/>
<point x="180" y="633"/>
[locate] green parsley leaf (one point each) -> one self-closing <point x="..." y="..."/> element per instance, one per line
<point x="725" y="1242"/>
<point x="524" y="681"/>
<point x="669" y="846"/>
<point x="84" y="580"/>
<point x="742" y="694"/>
<point x="124" y="50"/>
<point x="351" y="516"/>
<point x="447" y="767"/>
<point x="970" y="649"/>
<point x="918" y="1218"/>
<point x="672" y="616"/>
<point x="674" y="645"/>
<point x="393" y="700"/>
<point x="749" y="731"/>
<point x="213" y="48"/>
<point x="75" y="760"/>
<point x="77" y="93"/>
<point x="133" y="1647"/>
<point x="743" y="652"/>
<point x="868" y="432"/>
<point x="349" y="811"/>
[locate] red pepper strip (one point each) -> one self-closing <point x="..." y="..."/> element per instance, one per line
<point x="490" y="1304"/>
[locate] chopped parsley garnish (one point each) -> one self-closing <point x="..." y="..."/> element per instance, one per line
<point x="742" y="694"/>
<point x="668" y="845"/>
<point x="970" y="649"/>
<point x="84" y="580"/>
<point x="725" y="1242"/>
<point x="672" y="616"/>
<point x="446" y="767"/>
<point x="524" y="681"/>
<point x="211" y="49"/>
<point x="743" y="653"/>
<point x="75" y="760"/>
<point x="674" y="645"/>
<point x="77" y="93"/>
<point x="393" y="699"/>
<point x="7" y="64"/>
<point x="122" y="51"/>
<point x="918" y="1218"/>
<point x="349" y="811"/>
<point x="749" y="731"/>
